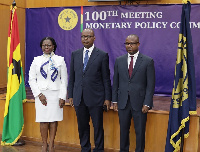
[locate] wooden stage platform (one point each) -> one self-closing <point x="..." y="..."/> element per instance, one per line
<point x="67" y="134"/>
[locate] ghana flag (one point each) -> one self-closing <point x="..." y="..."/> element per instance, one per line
<point x="13" y="115"/>
<point x="183" y="101"/>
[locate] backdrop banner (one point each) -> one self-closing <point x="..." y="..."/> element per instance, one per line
<point x="156" y="25"/>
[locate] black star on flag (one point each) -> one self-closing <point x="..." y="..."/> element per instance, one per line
<point x="16" y="69"/>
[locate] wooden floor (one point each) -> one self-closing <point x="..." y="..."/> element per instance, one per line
<point x="31" y="146"/>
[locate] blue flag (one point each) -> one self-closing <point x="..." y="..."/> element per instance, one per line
<point x="183" y="101"/>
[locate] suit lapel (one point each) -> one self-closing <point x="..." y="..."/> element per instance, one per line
<point x="93" y="56"/>
<point x="137" y="64"/>
<point x="125" y="65"/>
<point x="80" y="60"/>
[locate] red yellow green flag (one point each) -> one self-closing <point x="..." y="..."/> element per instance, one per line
<point x="13" y="115"/>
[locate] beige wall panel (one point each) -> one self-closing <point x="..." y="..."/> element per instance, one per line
<point x="199" y="138"/>
<point x="193" y="135"/>
<point x="156" y="132"/>
<point x="31" y="128"/>
<point x="167" y="2"/>
<point x="2" y="108"/>
<point x="4" y="20"/>
<point x="20" y="3"/>
<point x="62" y="3"/>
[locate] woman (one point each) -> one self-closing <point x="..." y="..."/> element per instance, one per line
<point x="48" y="81"/>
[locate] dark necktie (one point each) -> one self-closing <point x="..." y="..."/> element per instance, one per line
<point x="85" y="60"/>
<point x="130" y="69"/>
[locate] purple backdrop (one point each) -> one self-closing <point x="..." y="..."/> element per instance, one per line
<point x="156" y="25"/>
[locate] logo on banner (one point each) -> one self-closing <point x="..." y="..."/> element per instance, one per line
<point x="67" y="19"/>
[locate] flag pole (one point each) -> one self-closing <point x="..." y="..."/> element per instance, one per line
<point x="183" y="130"/>
<point x="182" y="140"/>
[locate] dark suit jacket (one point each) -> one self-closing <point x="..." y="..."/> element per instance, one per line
<point x="94" y="83"/>
<point x="140" y="86"/>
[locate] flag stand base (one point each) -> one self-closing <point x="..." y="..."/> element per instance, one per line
<point x="20" y="142"/>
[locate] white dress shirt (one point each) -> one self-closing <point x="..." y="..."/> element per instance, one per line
<point x="89" y="53"/>
<point x="134" y="59"/>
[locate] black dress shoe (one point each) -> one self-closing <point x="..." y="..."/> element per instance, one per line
<point x="20" y="142"/>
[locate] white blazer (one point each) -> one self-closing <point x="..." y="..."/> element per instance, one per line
<point x="37" y="82"/>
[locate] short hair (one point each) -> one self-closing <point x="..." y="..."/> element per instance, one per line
<point x="51" y="39"/>
<point x="89" y="30"/>
<point x="134" y="35"/>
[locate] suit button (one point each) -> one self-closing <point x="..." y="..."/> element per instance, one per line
<point x="83" y="76"/>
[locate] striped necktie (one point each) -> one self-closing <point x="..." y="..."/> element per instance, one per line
<point x="85" y="60"/>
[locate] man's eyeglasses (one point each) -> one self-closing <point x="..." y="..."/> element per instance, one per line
<point x="131" y="43"/>
<point x="46" y="46"/>
<point x="86" y="36"/>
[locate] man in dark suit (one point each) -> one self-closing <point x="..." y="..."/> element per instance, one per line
<point x="133" y="89"/>
<point x="89" y="89"/>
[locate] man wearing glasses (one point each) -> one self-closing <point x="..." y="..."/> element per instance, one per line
<point x="133" y="90"/>
<point x="89" y="90"/>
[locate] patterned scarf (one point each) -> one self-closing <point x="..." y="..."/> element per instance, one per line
<point x="50" y="62"/>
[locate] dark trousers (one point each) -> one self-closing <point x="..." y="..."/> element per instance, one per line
<point x="139" y="120"/>
<point x="83" y="114"/>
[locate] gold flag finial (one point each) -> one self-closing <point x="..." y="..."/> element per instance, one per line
<point x="185" y="1"/>
<point x="14" y="3"/>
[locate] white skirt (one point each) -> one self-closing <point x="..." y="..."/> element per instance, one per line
<point x="52" y="111"/>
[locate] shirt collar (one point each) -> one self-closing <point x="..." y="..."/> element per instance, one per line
<point x="48" y="55"/>
<point x="90" y="49"/>
<point x="135" y="55"/>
